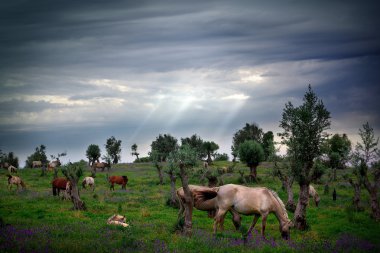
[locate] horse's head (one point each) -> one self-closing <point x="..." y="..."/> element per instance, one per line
<point x="285" y="229"/>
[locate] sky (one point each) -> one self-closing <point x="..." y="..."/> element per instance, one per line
<point x="74" y="73"/>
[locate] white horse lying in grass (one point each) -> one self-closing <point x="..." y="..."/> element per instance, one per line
<point x="257" y="201"/>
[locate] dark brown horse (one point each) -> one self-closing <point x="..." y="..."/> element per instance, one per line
<point x="59" y="184"/>
<point x="123" y="180"/>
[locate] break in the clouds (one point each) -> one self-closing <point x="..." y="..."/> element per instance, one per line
<point x="73" y="73"/>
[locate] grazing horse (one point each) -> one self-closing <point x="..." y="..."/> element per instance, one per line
<point x="36" y="164"/>
<point x="313" y="194"/>
<point x="258" y="201"/>
<point x="12" y="169"/>
<point x="58" y="184"/>
<point x="123" y="180"/>
<point x="4" y="165"/>
<point x="202" y="205"/>
<point x="90" y="181"/>
<point x="100" y="165"/>
<point x="15" y="180"/>
<point x="54" y="164"/>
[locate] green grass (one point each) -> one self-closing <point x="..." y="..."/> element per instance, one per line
<point x="41" y="222"/>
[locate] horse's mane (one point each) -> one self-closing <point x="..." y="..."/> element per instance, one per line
<point x="275" y="195"/>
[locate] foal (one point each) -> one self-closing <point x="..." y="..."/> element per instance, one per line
<point x="15" y="180"/>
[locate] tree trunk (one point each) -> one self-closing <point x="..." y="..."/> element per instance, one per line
<point x="209" y="161"/>
<point x="187" y="229"/>
<point x="356" y="198"/>
<point x="253" y="173"/>
<point x="290" y="205"/>
<point x="173" y="198"/>
<point x="334" y="174"/>
<point x="372" y="190"/>
<point x="300" y="213"/>
<point x="78" y="203"/>
<point x="160" y="176"/>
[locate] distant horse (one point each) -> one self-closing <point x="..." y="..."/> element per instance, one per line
<point x="258" y="201"/>
<point x="90" y="181"/>
<point x="15" y="180"/>
<point x="36" y="164"/>
<point x="313" y="194"/>
<point x="123" y="180"/>
<point x="54" y="164"/>
<point x="208" y="206"/>
<point x="100" y="165"/>
<point x="12" y="169"/>
<point x="59" y="184"/>
<point x="4" y="165"/>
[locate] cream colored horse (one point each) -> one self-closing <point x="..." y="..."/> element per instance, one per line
<point x="12" y="169"/>
<point x="313" y="194"/>
<point x="257" y="201"/>
<point x="15" y="180"/>
<point x="202" y="204"/>
<point x="90" y="181"/>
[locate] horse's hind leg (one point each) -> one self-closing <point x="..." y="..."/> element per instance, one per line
<point x="263" y="222"/>
<point x="219" y="219"/>
<point x="257" y="216"/>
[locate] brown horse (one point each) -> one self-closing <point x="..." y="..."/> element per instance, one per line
<point x="100" y="165"/>
<point x="202" y="205"/>
<point x="257" y="201"/>
<point x="59" y="184"/>
<point x="15" y="180"/>
<point x="123" y="180"/>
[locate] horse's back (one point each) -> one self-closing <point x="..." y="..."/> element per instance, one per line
<point x="246" y="200"/>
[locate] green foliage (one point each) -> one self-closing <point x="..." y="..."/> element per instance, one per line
<point x="248" y="132"/>
<point x="113" y="148"/>
<point x="162" y="146"/>
<point x="73" y="171"/>
<point x="303" y="133"/>
<point x="367" y="150"/>
<point x="268" y="146"/>
<point x="338" y="149"/>
<point x="196" y="143"/>
<point x="145" y="159"/>
<point x="319" y="169"/>
<point x="9" y="158"/>
<point x="134" y="151"/>
<point x="209" y="147"/>
<point x="221" y="157"/>
<point x="251" y="152"/>
<point x="38" y="155"/>
<point x="93" y="153"/>
<point x="187" y="156"/>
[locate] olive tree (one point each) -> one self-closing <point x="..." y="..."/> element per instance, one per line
<point x="252" y="153"/>
<point x="303" y="132"/>
<point x="367" y="157"/>
<point x="187" y="159"/>
<point x="209" y="147"/>
<point x="93" y="153"/>
<point x="73" y="172"/>
<point x="113" y="148"/>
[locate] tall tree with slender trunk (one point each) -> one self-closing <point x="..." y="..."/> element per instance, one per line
<point x="304" y="131"/>
<point x="367" y="156"/>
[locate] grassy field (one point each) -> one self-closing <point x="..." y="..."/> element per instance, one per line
<point x="35" y="221"/>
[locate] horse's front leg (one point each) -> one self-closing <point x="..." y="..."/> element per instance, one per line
<point x="263" y="223"/>
<point x="257" y="216"/>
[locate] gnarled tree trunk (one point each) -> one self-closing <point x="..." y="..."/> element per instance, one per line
<point x="372" y="190"/>
<point x="300" y="213"/>
<point x="357" y="190"/>
<point x="187" y="229"/>
<point x="290" y="205"/>
<point x="160" y="176"/>
<point x="78" y="203"/>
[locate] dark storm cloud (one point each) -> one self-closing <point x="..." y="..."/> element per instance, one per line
<point x="140" y="68"/>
